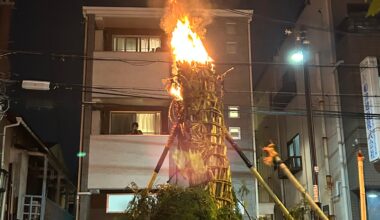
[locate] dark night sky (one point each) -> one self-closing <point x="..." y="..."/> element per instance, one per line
<point x="56" y="26"/>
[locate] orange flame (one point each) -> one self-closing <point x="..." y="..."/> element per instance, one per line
<point x="187" y="45"/>
<point x="175" y="91"/>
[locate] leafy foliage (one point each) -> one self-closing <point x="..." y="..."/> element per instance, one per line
<point x="173" y="203"/>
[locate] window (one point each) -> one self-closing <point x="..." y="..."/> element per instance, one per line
<point x="294" y="161"/>
<point x="231" y="47"/>
<point x="136" y="43"/>
<point x="294" y="146"/>
<point x="235" y="132"/>
<point x="118" y="203"/>
<point x="233" y="112"/>
<point x="121" y="121"/>
<point x="373" y="204"/>
<point x="231" y="28"/>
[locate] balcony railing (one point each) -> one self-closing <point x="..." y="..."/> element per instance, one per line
<point x="294" y="163"/>
<point x="115" y="161"/>
<point x="32" y="207"/>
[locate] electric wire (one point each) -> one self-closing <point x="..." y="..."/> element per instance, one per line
<point x="144" y="62"/>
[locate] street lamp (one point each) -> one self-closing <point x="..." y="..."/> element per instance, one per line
<point x="296" y="57"/>
<point x="301" y="57"/>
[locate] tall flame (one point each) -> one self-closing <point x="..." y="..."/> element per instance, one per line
<point x="187" y="45"/>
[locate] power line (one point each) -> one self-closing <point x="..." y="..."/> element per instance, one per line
<point x="144" y="62"/>
<point x="295" y="24"/>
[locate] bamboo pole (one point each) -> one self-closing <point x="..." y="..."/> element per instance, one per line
<point x="173" y="134"/>
<point x="363" y="208"/>
<point x="259" y="178"/>
<point x="274" y="158"/>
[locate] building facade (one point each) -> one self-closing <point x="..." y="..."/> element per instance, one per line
<point x="34" y="180"/>
<point x="339" y="34"/>
<point x="129" y="57"/>
<point x="357" y="38"/>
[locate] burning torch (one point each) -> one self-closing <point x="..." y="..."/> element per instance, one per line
<point x="273" y="158"/>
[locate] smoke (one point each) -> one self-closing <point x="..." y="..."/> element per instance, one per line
<point x="196" y="10"/>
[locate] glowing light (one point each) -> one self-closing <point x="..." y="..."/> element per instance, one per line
<point x="187" y="45"/>
<point x="175" y="91"/>
<point x="81" y="154"/>
<point x="372" y="195"/>
<point x="297" y="57"/>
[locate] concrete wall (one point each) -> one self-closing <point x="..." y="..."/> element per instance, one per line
<point x="118" y="160"/>
<point x="138" y="71"/>
<point x="54" y="212"/>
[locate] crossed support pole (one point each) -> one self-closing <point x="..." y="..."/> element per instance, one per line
<point x="169" y="143"/>
<point x="255" y="173"/>
<point x="274" y="158"/>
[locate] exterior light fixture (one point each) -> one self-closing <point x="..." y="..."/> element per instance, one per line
<point x="35" y="85"/>
<point x="296" y="57"/>
<point x="81" y="154"/>
<point x="372" y="195"/>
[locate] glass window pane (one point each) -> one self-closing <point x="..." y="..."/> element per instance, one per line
<point x="120" y="44"/>
<point x="131" y="44"/>
<point x="233" y="112"/>
<point x="121" y="122"/>
<point x="155" y="42"/>
<point x="235" y="132"/>
<point x="291" y="150"/>
<point x="231" y="28"/>
<point x="297" y="146"/>
<point x="144" y="44"/>
<point x="118" y="203"/>
<point x="147" y="122"/>
<point x="231" y="47"/>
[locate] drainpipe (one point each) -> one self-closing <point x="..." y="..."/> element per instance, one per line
<point x="3" y="162"/>
<point x="79" y="177"/>
<point x="326" y="153"/>
<point x="252" y="115"/>
<point x="342" y="153"/>
<point x="324" y="135"/>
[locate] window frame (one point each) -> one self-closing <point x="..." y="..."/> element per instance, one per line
<point x="233" y="137"/>
<point x="231" y="31"/>
<point x="237" y="110"/>
<point x="116" y="194"/>
<point x="138" y="42"/>
<point x="228" y="43"/>
<point x="135" y="112"/>
<point x="291" y="141"/>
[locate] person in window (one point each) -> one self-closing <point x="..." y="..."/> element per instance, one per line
<point x="135" y="129"/>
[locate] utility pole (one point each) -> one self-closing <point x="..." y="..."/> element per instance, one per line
<point x="310" y="125"/>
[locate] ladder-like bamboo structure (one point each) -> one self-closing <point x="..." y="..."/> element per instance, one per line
<point x="202" y="128"/>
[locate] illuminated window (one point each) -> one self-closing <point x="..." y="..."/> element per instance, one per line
<point x="118" y="203"/>
<point x="136" y="43"/>
<point x="121" y="122"/>
<point x="235" y="132"/>
<point x="231" y="47"/>
<point x="231" y="28"/>
<point x="233" y="112"/>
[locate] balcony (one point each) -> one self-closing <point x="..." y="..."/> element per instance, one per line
<point x="130" y="70"/>
<point x="294" y="163"/>
<point x="117" y="160"/>
<point x="357" y="22"/>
